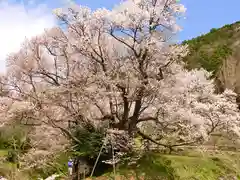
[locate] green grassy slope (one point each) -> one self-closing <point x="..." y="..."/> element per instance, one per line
<point x="157" y="166"/>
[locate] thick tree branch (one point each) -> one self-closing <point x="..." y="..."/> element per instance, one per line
<point x="144" y="136"/>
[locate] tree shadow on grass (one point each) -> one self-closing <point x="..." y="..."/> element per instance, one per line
<point x="150" y="167"/>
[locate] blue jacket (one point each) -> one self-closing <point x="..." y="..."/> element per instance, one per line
<point x="70" y="163"/>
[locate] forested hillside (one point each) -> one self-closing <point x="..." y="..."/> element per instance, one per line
<point x="218" y="52"/>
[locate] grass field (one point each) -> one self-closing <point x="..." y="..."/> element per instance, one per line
<point x="190" y="165"/>
<point x="155" y="166"/>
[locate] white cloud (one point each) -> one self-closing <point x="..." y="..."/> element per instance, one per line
<point x="18" y="21"/>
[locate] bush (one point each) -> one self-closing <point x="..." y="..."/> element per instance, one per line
<point x="58" y="165"/>
<point x="91" y="140"/>
<point x="14" y="137"/>
<point x="12" y="156"/>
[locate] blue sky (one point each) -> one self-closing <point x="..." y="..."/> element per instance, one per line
<point x="202" y="15"/>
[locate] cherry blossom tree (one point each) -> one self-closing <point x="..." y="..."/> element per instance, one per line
<point x="116" y="69"/>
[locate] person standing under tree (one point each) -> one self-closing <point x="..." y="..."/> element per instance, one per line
<point x="70" y="167"/>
